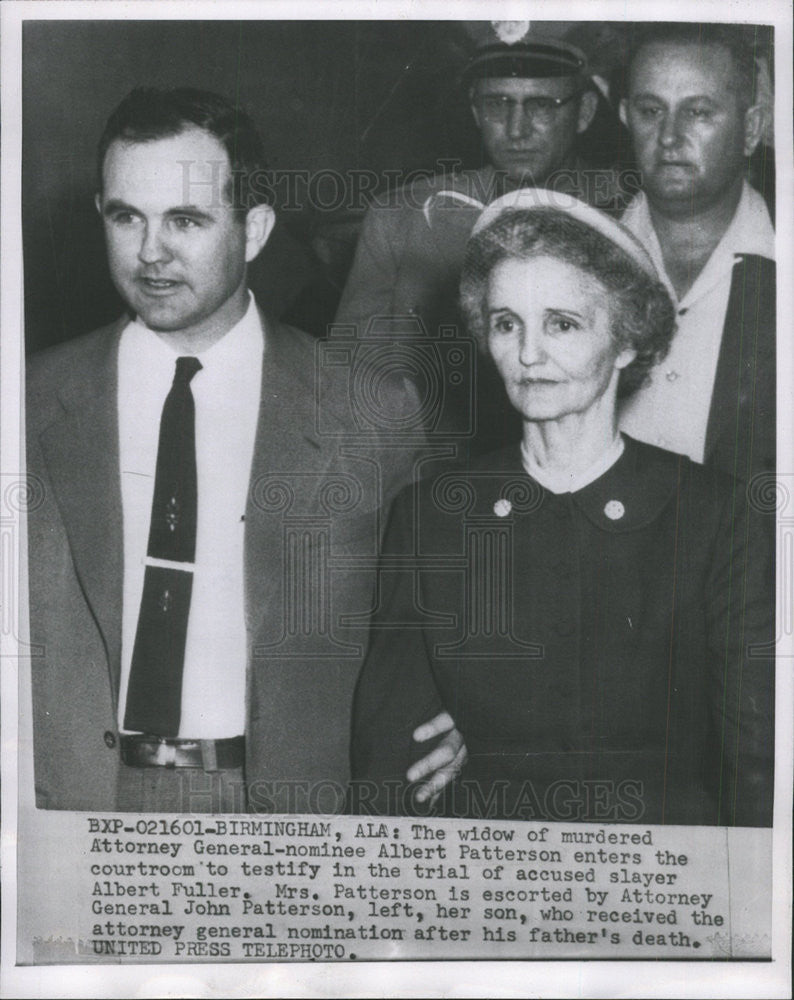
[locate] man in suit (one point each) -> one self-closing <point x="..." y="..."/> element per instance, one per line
<point x="202" y="565"/>
<point x="694" y="120"/>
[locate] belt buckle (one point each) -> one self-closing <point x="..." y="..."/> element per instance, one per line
<point x="209" y="755"/>
<point x="165" y="754"/>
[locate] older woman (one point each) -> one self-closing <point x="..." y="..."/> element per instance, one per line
<point x="594" y="613"/>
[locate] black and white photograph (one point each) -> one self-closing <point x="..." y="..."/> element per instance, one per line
<point x="397" y="500"/>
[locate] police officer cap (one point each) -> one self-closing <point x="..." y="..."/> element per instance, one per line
<point x="516" y="49"/>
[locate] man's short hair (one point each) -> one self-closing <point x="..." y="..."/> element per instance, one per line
<point x="147" y="114"/>
<point x="732" y="37"/>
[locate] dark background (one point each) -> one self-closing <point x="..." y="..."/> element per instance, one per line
<point x="333" y="95"/>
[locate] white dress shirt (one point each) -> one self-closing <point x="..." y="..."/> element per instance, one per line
<point x="226" y="393"/>
<point x="672" y="409"/>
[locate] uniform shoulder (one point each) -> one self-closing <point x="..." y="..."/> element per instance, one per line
<point x="414" y="193"/>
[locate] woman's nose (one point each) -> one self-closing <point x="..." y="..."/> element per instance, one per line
<point x="530" y="349"/>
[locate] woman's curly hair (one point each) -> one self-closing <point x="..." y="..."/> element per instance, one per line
<point x="643" y="317"/>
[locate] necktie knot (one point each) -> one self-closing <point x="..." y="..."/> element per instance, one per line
<point x="186" y="368"/>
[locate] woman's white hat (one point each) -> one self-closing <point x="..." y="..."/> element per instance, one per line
<point x="530" y="199"/>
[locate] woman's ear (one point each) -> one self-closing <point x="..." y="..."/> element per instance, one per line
<point x="624" y="359"/>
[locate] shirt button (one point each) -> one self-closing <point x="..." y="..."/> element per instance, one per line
<point x="110" y="739"/>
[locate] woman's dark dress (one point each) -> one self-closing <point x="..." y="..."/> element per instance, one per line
<point x="606" y="654"/>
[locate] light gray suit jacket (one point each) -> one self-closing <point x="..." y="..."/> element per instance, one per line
<point x="321" y="475"/>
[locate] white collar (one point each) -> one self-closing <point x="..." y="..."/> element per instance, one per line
<point x="750" y="232"/>
<point x="567" y="482"/>
<point x="241" y="341"/>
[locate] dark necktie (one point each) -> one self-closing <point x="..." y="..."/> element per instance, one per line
<point x="154" y="693"/>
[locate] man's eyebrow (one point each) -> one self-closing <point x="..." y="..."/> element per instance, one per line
<point x="709" y="98"/>
<point x="647" y="95"/>
<point x="116" y="205"/>
<point x="193" y="210"/>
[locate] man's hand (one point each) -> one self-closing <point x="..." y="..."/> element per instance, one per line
<point x="442" y="765"/>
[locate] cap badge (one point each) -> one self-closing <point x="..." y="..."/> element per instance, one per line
<point x="510" y="32"/>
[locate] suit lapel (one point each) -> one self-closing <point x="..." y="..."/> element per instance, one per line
<point x="82" y="456"/>
<point x="287" y="447"/>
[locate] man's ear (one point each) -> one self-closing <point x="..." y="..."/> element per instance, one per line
<point x="623" y="111"/>
<point x="587" y="110"/>
<point x="754" y="124"/>
<point x="98" y="202"/>
<point x="259" y="224"/>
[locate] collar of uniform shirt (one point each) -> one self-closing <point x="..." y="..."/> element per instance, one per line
<point x="750" y="232"/>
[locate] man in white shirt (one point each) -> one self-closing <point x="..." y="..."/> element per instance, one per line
<point x="693" y="121"/>
<point x="202" y="564"/>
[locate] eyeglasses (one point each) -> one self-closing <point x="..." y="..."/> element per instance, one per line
<point x="498" y="107"/>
